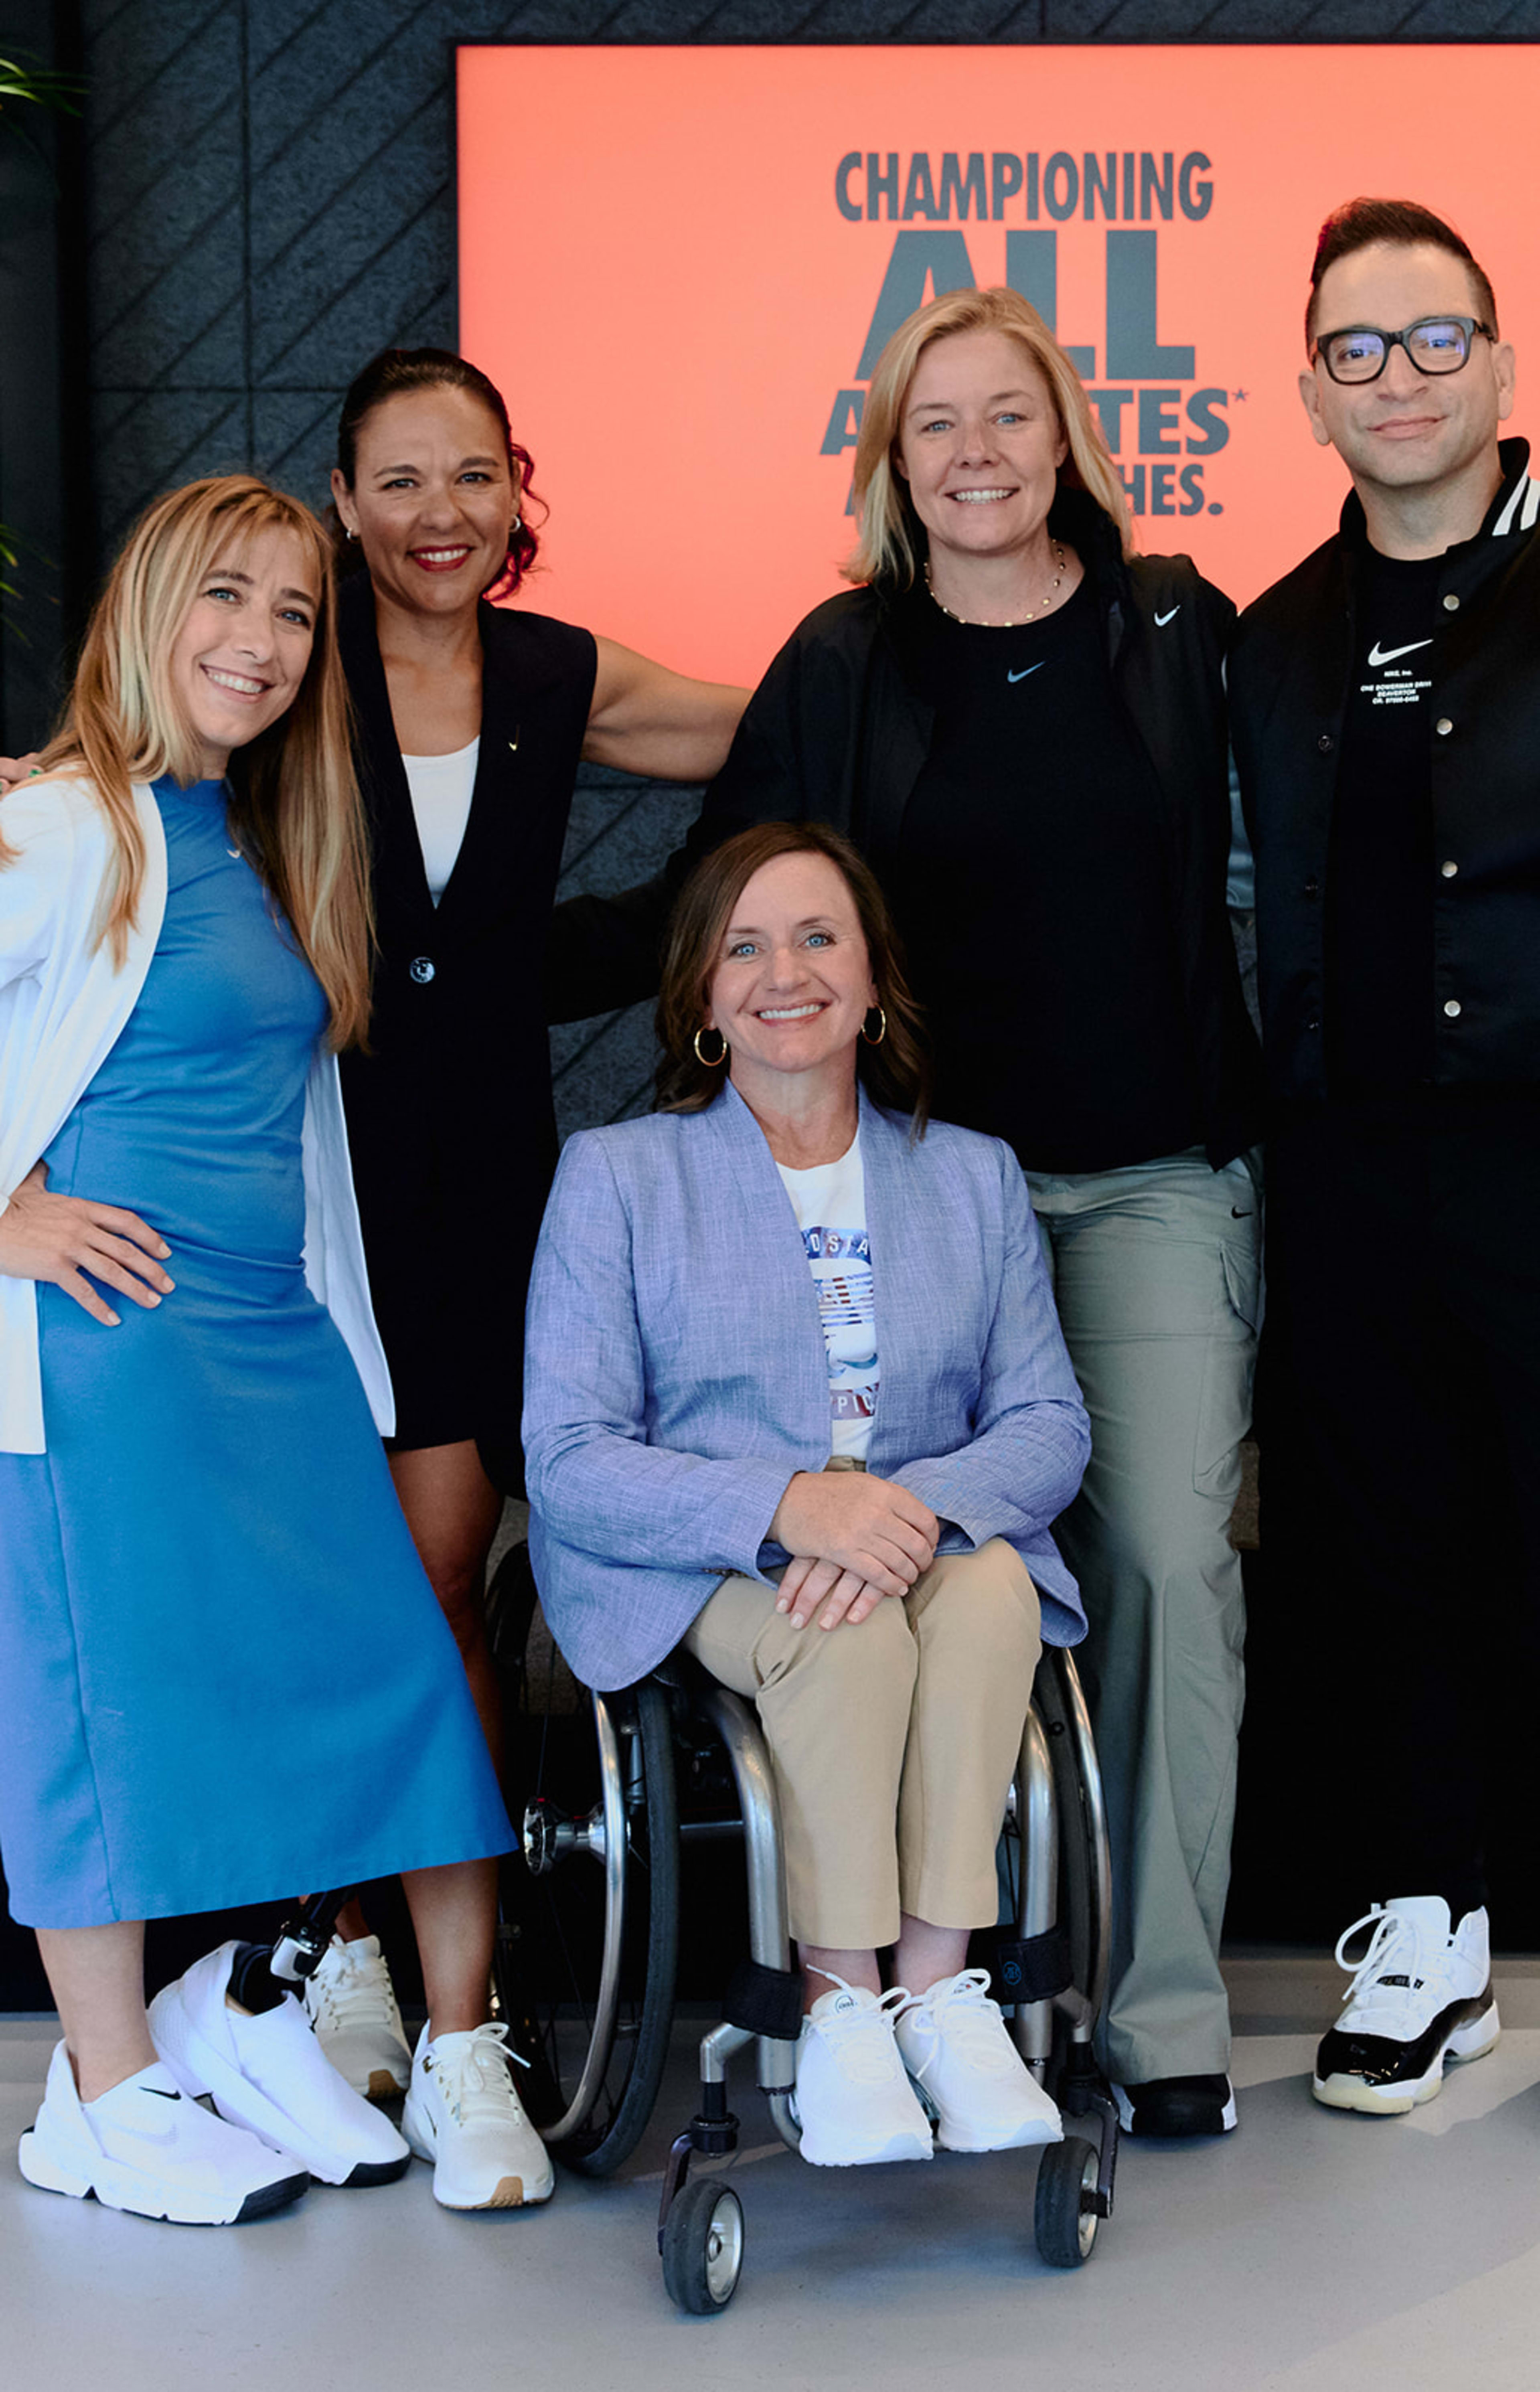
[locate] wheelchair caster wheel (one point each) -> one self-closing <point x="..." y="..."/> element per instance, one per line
<point x="703" y="2247"/>
<point x="1066" y="2215"/>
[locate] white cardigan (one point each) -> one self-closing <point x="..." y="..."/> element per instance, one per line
<point x="63" y="1005"/>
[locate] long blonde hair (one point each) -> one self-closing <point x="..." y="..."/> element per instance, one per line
<point x="294" y="798"/>
<point x="892" y="544"/>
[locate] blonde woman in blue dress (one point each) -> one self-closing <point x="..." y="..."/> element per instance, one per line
<point x="224" y="1676"/>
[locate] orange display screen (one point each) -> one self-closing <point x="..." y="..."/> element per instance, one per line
<point x="680" y="264"/>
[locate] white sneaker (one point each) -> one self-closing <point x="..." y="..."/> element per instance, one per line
<point x="145" y="2148"/>
<point x="953" y="2041"/>
<point x="268" y="2074"/>
<point x="464" y="2115"/>
<point x="1421" y="1995"/>
<point x="351" y="2004"/>
<point x="855" y="2104"/>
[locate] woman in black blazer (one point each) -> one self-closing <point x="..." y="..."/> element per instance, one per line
<point x="471" y="721"/>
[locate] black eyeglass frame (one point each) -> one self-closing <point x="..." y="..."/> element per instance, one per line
<point x="1468" y="325"/>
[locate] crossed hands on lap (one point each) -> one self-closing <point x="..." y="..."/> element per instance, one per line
<point x="853" y="1538"/>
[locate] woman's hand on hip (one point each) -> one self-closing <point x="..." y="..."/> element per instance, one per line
<point x="59" y="1239"/>
<point x="869" y="1526"/>
<point x="845" y="1595"/>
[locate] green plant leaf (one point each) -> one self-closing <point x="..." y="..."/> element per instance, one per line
<point x="43" y="87"/>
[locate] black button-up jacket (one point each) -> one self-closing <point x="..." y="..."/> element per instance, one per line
<point x="1290" y="672"/>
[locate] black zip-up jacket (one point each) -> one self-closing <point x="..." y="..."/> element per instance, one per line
<point x="1290" y="671"/>
<point x="838" y="732"/>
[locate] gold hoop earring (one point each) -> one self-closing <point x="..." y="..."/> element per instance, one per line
<point x="709" y="1062"/>
<point x="881" y="1026"/>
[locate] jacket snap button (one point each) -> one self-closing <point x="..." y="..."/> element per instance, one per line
<point x="1324" y="743"/>
<point x="1451" y="603"/>
<point x="420" y="969"/>
<point x="1449" y="870"/>
<point x="1444" y="726"/>
<point x="1452" y="1008"/>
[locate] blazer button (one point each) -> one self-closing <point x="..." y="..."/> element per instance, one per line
<point x="1453" y="1009"/>
<point x="421" y="968"/>
<point x="1326" y="743"/>
<point x="1444" y="726"/>
<point x="1451" y="603"/>
<point x="1449" y="870"/>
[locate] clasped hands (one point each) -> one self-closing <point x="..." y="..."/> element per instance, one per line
<point x="853" y="1538"/>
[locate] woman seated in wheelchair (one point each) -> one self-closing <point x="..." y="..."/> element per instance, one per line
<point x="798" y="1399"/>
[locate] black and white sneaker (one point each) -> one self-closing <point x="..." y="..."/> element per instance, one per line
<point x="1176" y="2107"/>
<point x="1421" y="1996"/>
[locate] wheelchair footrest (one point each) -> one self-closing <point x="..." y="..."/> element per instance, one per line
<point x="1034" y="1968"/>
<point x="765" y="2001"/>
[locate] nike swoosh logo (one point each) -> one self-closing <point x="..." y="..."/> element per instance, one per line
<point x="1161" y="620"/>
<point x="159" y="2092"/>
<point x="1027" y="669"/>
<point x="1378" y="655"/>
<point x="1236" y="1214"/>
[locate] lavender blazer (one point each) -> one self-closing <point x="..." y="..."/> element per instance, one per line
<point x="676" y="1377"/>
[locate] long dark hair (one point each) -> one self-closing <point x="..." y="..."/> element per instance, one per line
<point x="397" y="371"/>
<point x="897" y="1072"/>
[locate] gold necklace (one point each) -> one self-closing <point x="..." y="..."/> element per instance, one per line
<point x="1059" y="559"/>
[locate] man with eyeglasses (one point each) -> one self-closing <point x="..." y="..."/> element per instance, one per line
<point x="1386" y="708"/>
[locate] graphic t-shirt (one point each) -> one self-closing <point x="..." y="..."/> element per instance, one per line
<point x="830" y="1204"/>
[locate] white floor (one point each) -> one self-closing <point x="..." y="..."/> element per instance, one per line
<point x="1308" y="2253"/>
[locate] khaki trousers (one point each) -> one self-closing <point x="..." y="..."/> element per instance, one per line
<point x="893" y="1742"/>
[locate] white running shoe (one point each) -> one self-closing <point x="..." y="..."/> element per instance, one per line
<point x="463" y="2115"/>
<point x="351" y="2004"/>
<point x="145" y="2147"/>
<point x="1420" y="1997"/>
<point x="855" y="2104"/>
<point x="268" y="2074"/>
<point x="953" y="2041"/>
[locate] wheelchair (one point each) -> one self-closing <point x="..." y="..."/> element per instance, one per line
<point x="613" y="1794"/>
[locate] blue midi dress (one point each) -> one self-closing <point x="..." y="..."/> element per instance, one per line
<point x="224" y="1676"/>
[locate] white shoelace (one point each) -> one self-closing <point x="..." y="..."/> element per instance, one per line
<point x="473" y="2079"/>
<point x="956" y="2012"/>
<point x="1395" y="1950"/>
<point x="864" y="2056"/>
<point x="355" y="1990"/>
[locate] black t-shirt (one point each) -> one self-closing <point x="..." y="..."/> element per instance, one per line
<point x="1380" y="863"/>
<point x="1032" y="890"/>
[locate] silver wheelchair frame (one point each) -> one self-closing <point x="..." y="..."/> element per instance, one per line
<point x="1053" y="1981"/>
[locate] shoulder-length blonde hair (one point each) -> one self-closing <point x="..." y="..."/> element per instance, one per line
<point x="294" y="798"/>
<point x="893" y="543"/>
<point x="896" y="1072"/>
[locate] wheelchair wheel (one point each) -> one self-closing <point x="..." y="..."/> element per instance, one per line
<point x="1065" y="2213"/>
<point x="703" y="2246"/>
<point x="587" y="1937"/>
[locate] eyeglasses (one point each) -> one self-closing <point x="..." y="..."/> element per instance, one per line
<point x="1436" y="345"/>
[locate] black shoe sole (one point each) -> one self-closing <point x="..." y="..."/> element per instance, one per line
<point x="376" y="2172"/>
<point x="268" y="2197"/>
